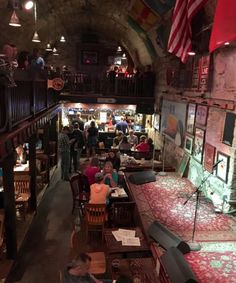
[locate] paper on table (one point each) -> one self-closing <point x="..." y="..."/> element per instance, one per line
<point x="127" y="233"/>
<point x="128" y="241"/>
<point x="117" y="236"/>
<point x="121" y="192"/>
<point x="115" y="194"/>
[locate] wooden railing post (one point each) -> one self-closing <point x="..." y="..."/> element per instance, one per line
<point x="32" y="166"/>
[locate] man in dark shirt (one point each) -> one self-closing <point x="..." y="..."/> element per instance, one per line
<point x="122" y="126"/>
<point x="77" y="146"/>
<point x="79" y="121"/>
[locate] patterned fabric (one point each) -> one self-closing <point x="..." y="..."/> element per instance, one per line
<point x="63" y="143"/>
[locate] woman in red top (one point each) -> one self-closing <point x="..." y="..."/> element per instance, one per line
<point x="143" y="146"/>
<point x="91" y="170"/>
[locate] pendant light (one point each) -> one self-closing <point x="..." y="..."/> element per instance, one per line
<point x="14" y="21"/>
<point x="48" y="47"/>
<point x="54" y="52"/>
<point x="62" y="39"/>
<point x="35" y="36"/>
<point x="28" y="5"/>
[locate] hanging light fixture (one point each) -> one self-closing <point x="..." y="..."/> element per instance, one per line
<point x="48" y="47"/>
<point x="35" y="36"/>
<point x="62" y="39"/>
<point x="119" y="49"/>
<point x="28" y="5"/>
<point x="123" y="56"/>
<point x="14" y="21"/>
<point x="54" y="52"/>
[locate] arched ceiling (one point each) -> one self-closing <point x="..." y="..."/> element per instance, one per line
<point x="108" y="19"/>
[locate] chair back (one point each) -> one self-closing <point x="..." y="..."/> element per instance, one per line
<point x="95" y="214"/>
<point x="122" y="214"/>
<point x="79" y="184"/>
<point x="22" y="184"/>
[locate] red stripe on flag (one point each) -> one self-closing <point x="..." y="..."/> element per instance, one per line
<point x="180" y="35"/>
<point x="224" y="27"/>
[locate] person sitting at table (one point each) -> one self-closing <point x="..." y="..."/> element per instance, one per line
<point x="91" y="170"/>
<point x="78" y="271"/>
<point x="124" y="145"/>
<point x="143" y="146"/>
<point x="114" y="159"/>
<point x="132" y="138"/>
<point x="99" y="191"/>
<point x="110" y="177"/>
<point x="21" y="157"/>
<point x="118" y="139"/>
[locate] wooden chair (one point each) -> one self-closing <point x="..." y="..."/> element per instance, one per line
<point x="2" y="218"/>
<point x="53" y="153"/>
<point x="122" y="214"/>
<point x="95" y="217"/>
<point x="22" y="192"/>
<point x="80" y="192"/>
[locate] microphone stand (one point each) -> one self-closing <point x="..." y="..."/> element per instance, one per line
<point x="193" y="245"/>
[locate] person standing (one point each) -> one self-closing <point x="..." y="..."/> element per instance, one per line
<point x="122" y="126"/>
<point x="64" y="150"/>
<point x="37" y="62"/>
<point x="92" y="136"/>
<point x="76" y="146"/>
<point x="79" y="121"/>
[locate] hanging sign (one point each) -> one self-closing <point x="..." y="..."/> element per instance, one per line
<point x="56" y="83"/>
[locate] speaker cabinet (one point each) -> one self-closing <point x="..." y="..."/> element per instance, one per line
<point x="142" y="177"/>
<point x="177" y="267"/>
<point x="167" y="239"/>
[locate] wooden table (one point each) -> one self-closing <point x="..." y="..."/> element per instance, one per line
<point x="115" y="247"/>
<point x="142" y="268"/>
<point x="21" y="168"/>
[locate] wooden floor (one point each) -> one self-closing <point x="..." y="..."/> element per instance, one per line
<point x="45" y="250"/>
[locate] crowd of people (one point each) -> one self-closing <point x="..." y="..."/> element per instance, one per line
<point x="72" y="140"/>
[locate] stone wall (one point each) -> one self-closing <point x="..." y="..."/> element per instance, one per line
<point x="222" y="194"/>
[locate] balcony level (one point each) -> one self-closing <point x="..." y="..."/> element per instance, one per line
<point x="84" y="88"/>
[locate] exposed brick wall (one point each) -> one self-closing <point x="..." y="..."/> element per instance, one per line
<point x="224" y="88"/>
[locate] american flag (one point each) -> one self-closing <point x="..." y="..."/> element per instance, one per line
<point x="180" y="35"/>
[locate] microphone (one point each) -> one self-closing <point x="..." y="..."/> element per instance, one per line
<point x="218" y="162"/>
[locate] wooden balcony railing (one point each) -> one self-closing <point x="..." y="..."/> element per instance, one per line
<point x="28" y="98"/>
<point x="122" y="86"/>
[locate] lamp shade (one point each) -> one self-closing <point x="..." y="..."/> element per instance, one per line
<point x="36" y="37"/>
<point x="48" y="47"/>
<point x="14" y="21"/>
<point x="28" y="4"/>
<point x="62" y="39"/>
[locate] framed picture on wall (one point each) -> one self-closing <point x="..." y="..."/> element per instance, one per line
<point x="89" y="57"/>
<point x="188" y="144"/>
<point x="222" y="167"/>
<point x="209" y="157"/>
<point x="201" y="115"/>
<point x="156" y="122"/>
<point x="198" y="144"/>
<point x="191" y="118"/>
